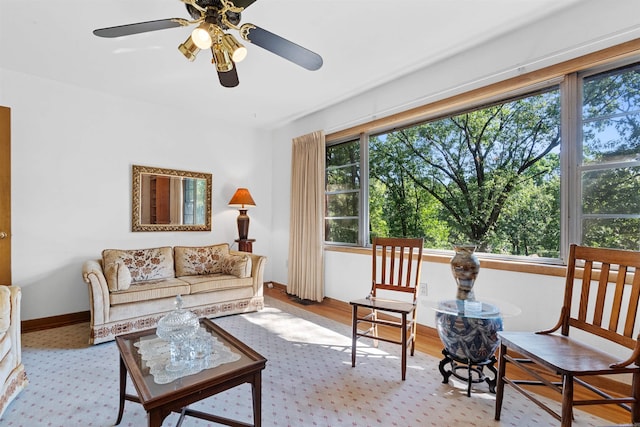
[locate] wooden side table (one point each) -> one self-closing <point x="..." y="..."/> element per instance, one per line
<point x="245" y="245"/>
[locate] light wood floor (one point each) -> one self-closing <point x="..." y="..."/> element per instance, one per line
<point x="427" y="342"/>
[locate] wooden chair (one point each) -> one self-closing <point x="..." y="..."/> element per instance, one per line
<point x="606" y="307"/>
<point x="398" y="273"/>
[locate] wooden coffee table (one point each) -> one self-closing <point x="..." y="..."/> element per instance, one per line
<point x="160" y="400"/>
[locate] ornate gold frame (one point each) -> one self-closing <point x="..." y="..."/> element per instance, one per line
<point x="136" y="195"/>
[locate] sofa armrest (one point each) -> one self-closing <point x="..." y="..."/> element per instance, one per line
<point x="10" y="298"/>
<point x="5" y="309"/>
<point x="15" y="328"/>
<point x="93" y="275"/>
<point x="257" y="270"/>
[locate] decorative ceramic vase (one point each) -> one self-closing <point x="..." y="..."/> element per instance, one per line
<point x="465" y="267"/>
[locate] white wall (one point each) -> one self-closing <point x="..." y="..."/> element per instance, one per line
<point x="560" y="37"/>
<point x="348" y="276"/>
<point x="72" y="152"/>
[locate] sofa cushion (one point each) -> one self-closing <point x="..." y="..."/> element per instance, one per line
<point x="149" y="290"/>
<point x="197" y="260"/>
<point x="214" y="282"/>
<point x="143" y="264"/>
<point x="237" y="265"/>
<point x="117" y="275"/>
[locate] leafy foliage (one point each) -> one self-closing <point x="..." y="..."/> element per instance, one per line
<point x="464" y="169"/>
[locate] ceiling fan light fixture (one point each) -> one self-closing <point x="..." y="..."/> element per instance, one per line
<point x="189" y="49"/>
<point x="201" y="35"/>
<point x="237" y="51"/>
<point x="211" y="19"/>
<point x="221" y="59"/>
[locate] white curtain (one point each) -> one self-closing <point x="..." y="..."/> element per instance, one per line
<point x="306" y="270"/>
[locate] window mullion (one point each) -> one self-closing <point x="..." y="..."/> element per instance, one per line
<point x="570" y="198"/>
<point x="363" y="235"/>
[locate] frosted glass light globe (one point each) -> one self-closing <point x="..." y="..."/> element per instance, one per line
<point x="201" y="38"/>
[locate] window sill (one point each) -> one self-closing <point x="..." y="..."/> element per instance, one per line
<point x="490" y="263"/>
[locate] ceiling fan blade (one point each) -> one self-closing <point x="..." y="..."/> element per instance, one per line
<point x="140" y="27"/>
<point x="229" y="78"/>
<point x="243" y="3"/>
<point x="281" y="47"/>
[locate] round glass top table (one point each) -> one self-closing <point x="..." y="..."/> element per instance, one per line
<point x="468" y="329"/>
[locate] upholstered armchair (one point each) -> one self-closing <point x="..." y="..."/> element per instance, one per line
<point x="12" y="374"/>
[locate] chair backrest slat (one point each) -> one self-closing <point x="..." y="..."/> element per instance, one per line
<point x="603" y="270"/>
<point x="401" y="264"/>
<point x="384" y="266"/>
<point x="409" y="265"/>
<point x="632" y="313"/>
<point x="616" y="306"/>
<point x="585" y="290"/>
<point x="602" y="294"/>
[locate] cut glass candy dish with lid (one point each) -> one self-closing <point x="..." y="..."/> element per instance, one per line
<point x="177" y="328"/>
<point x="178" y="325"/>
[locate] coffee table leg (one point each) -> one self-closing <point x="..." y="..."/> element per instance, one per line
<point x="155" y="418"/>
<point x="256" y="387"/>
<point x="123" y="389"/>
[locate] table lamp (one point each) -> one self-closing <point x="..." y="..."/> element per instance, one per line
<point x="242" y="199"/>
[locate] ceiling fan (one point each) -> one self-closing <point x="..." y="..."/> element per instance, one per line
<point x="213" y="18"/>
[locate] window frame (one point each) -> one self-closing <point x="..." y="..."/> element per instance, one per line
<point x="568" y="76"/>
<point x="580" y="167"/>
<point x="363" y="193"/>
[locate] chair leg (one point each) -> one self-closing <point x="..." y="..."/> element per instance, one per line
<point x="635" y="393"/>
<point x="404" y="346"/>
<point x="502" y="369"/>
<point x="567" y="401"/>
<point x="374" y="327"/>
<point x="413" y="334"/>
<point x="354" y="335"/>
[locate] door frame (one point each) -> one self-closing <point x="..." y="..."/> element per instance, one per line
<point x="5" y="196"/>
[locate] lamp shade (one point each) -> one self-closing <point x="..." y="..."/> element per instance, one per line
<point x="241" y="199"/>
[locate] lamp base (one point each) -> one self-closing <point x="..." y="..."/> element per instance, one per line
<point x="243" y="224"/>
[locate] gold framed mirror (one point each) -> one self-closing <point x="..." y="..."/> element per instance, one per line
<point x="170" y="200"/>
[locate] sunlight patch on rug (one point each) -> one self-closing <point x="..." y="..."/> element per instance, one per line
<point x="303" y="332"/>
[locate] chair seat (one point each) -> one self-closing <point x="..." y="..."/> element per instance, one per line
<point x="562" y="354"/>
<point x="385" y="305"/>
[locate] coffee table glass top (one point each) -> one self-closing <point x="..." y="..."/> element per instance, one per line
<point x="149" y="391"/>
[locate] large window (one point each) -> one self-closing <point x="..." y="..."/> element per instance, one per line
<point x="521" y="176"/>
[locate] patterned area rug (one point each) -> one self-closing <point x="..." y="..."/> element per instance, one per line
<point x="308" y="381"/>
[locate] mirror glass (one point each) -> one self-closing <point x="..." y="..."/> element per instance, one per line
<point x="170" y="200"/>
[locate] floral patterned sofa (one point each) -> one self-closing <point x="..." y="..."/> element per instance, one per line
<point x="131" y="289"/>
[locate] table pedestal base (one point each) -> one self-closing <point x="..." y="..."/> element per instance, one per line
<point x="473" y="369"/>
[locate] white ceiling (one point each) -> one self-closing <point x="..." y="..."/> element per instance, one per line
<point x="363" y="43"/>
